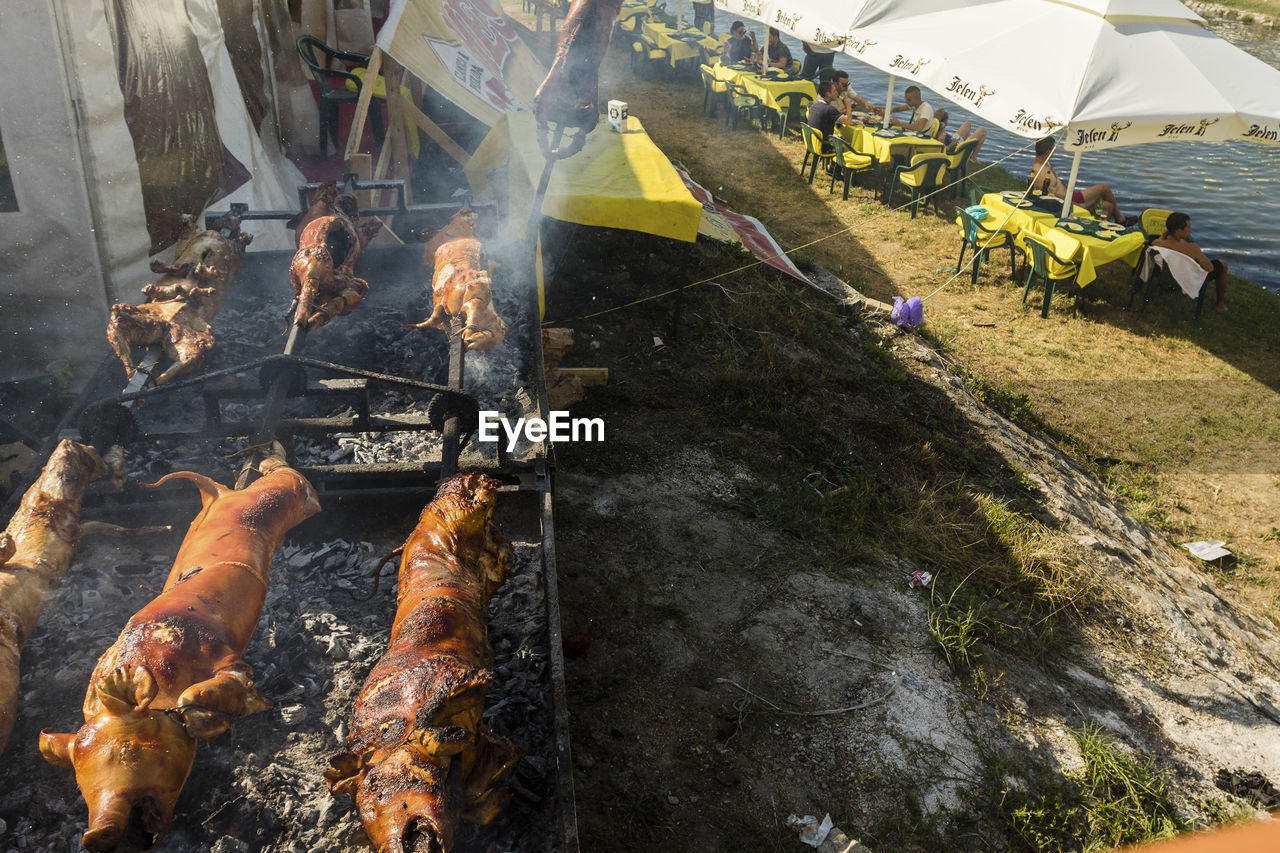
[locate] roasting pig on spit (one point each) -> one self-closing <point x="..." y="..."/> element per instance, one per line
<point x="176" y="676"/>
<point x="569" y="95"/>
<point x="329" y="246"/>
<point x="35" y="552"/>
<point x="461" y="285"/>
<point x="418" y="760"/>
<point x="183" y="303"/>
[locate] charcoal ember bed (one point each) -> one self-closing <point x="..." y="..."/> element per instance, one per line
<point x="260" y="786"/>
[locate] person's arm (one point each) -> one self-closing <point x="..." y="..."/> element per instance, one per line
<point x="1197" y="255"/>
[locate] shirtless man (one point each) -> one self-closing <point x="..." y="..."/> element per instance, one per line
<point x="1177" y="236"/>
<point x="1044" y="178"/>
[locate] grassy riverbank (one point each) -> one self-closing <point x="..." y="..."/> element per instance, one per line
<point x="1184" y="420"/>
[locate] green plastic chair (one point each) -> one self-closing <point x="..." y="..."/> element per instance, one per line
<point x="849" y="162"/>
<point x="1159" y="278"/>
<point x="713" y="90"/>
<point x="647" y="50"/>
<point x="1041" y="254"/>
<point x="813" y="148"/>
<point x="794" y="105"/>
<point x="923" y="177"/>
<point x="983" y="239"/>
<point x="740" y="101"/>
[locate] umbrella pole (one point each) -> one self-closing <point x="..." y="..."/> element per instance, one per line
<point x="888" y="102"/>
<point x="1071" y="185"/>
<point x="679" y="14"/>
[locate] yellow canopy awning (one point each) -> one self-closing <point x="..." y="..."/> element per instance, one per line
<point x="618" y="180"/>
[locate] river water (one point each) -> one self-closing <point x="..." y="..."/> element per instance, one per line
<point x="1231" y="190"/>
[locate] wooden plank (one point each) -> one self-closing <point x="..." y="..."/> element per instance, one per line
<point x="362" y="165"/>
<point x="395" y="121"/>
<point x="430" y="128"/>
<point x="587" y="375"/>
<point x="362" y="106"/>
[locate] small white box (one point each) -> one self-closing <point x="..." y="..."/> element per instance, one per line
<point x="618" y="116"/>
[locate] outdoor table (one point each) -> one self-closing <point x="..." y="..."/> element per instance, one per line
<point x="689" y="43"/>
<point x="884" y="145"/>
<point x="768" y="91"/>
<point x="1092" y="244"/>
<point x="1080" y="238"/>
<point x="1002" y="208"/>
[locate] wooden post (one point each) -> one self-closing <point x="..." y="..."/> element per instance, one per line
<point x="362" y="106"/>
<point x="400" y="167"/>
<point x="430" y="128"/>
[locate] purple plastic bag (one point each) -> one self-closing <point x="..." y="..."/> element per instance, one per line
<point x="908" y="314"/>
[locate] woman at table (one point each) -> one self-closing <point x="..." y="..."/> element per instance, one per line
<point x="738" y="48"/>
<point x="962" y="134"/>
<point x="825" y="114"/>
<point x="1177" y="238"/>
<point x="1045" y="179"/>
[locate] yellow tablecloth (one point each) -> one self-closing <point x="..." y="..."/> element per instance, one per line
<point x="618" y="180"/>
<point x="677" y="50"/>
<point x="768" y="91"/>
<point x="1033" y="219"/>
<point x="883" y="148"/>
<point x="1089" y="252"/>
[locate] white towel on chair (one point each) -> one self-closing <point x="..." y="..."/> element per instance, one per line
<point x="1186" y="271"/>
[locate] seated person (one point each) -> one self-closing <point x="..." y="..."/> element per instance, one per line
<point x="779" y="53"/>
<point x="1177" y="237"/>
<point x="816" y="57"/>
<point x="825" y="114"/>
<point x="964" y="132"/>
<point x="921" y="112"/>
<point x="1044" y="178"/>
<point x="739" y="48"/>
<point x="847" y="95"/>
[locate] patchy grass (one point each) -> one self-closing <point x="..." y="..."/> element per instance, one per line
<point x="1117" y="799"/>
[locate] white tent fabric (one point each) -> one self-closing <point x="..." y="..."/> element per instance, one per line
<point x="1107" y="72"/>
<point x="79" y="240"/>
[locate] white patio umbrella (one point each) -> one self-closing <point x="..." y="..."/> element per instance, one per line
<point x="838" y="23"/>
<point x="1099" y="73"/>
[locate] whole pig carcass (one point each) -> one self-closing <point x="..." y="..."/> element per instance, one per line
<point x="35" y="551"/>
<point x="418" y="760"/>
<point x="175" y="675"/>
<point x="183" y="303"/>
<point x="323" y="269"/>
<point x="461" y="285"/>
<point x="569" y="94"/>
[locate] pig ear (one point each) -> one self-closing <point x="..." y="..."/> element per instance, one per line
<point x="346" y="770"/>
<point x="126" y="690"/>
<point x="57" y="748"/>
<point x="7" y="548"/>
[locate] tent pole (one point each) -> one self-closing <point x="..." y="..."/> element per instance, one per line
<point x="1071" y="185"/>
<point x="888" y="102"/>
<point x="679" y="14"/>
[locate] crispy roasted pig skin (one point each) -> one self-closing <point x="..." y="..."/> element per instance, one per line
<point x="182" y="304"/>
<point x="418" y="760"/>
<point x="569" y="94"/>
<point x="461" y="285"/>
<point x="35" y="552"/>
<point x="175" y="676"/>
<point x="323" y="269"/>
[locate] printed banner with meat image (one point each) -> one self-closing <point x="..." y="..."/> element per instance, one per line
<point x="721" y="223"/>
<point x="467" y="51"/>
